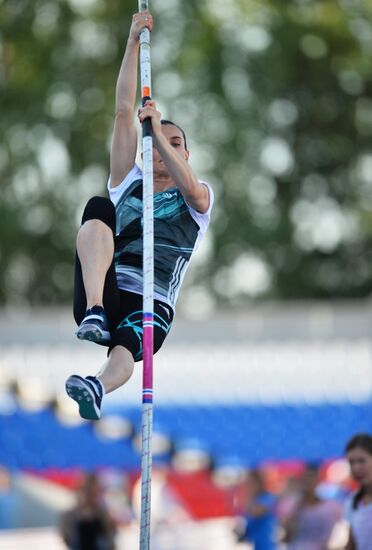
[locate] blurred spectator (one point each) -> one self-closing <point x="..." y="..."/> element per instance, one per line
<point x="289" y="498"/>
<point x="166" y="507"/>
<point x="260" y="528"/>
<point x="310" y="523"/>
<point x="8" y="500"/>
<point x="89" y="526"/>
<point x="116" y="495"/>
<point x="359" y="508"/>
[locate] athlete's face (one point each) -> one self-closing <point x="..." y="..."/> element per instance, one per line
<point x="360" y="465"/>
<point x="175" y="139"/>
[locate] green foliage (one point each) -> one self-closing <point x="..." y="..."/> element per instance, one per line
<point x="276" y="100"/>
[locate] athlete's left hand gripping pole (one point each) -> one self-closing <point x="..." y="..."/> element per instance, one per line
<point x="148" y="289"/>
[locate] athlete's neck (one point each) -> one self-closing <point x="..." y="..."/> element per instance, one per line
<point x="162" y="184"/>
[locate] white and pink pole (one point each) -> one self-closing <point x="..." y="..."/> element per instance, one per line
<point x="148" y="290"/>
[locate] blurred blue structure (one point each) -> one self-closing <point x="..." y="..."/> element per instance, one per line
<point x="252" y="434"/>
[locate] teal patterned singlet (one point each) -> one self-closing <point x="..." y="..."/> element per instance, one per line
<point x="176" y="233"/>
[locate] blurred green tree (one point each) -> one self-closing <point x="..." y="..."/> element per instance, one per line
<point x="276" y="98"/>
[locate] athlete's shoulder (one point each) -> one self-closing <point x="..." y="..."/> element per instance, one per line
<point x="116" y="193"/>
<point x="207" y="214"/>
<point x="211" y="194"/>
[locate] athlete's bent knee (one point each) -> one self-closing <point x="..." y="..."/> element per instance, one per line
<point x="100" y="208"/>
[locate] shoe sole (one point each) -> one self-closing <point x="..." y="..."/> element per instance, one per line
<point x="93" y="334"/>
<point x="79" y="391"/>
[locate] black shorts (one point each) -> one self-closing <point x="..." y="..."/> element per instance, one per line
<point x="124" y="309"/>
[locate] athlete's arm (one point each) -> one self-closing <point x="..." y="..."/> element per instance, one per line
<point x="196" y="194"/>
<point x="124" y="141"/>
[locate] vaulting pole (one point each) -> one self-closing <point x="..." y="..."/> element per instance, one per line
<point x="148" y="290"/>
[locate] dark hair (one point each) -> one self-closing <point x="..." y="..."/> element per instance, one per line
<point x="165" y="122"/>
<point x="359" y="441"/>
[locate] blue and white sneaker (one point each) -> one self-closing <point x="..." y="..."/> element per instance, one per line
<point x="94" y="327"/>
<point x="87" y="393"/>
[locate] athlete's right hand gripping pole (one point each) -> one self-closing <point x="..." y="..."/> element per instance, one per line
<point x="148" y="290"/>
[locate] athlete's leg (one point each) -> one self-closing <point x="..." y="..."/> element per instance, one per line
<point x="95" y="277"/>
<point x="88" y="392"/>
<point x="117" y="370"/>
<point x="124" y="350"/>
<point x="126" y="343"/>
<point x="95" y="249"/>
